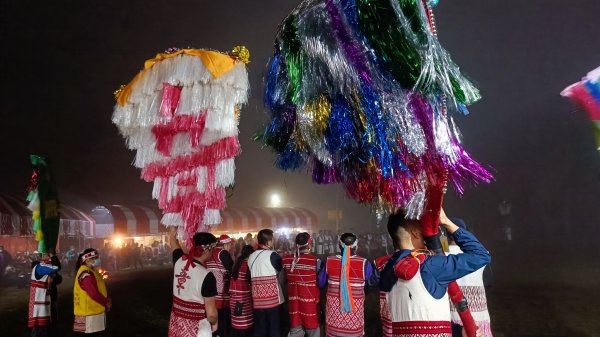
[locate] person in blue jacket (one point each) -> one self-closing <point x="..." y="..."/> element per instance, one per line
<point x="417" y="280"/>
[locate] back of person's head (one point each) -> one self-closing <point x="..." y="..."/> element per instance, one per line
<point x="302" y="239"/>
<point x="204" y="238"/>
<point x="399" y="220"/>
<point x="264" y="236"/>
<point x="247" y="250"/>
<point x="348" y="240"/>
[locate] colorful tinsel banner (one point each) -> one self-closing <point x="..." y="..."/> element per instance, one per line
<point x="43" y="202"/>
<point x="586" y="93"/>
<point x="180" y="114"/>
<point x="359" y="91"/>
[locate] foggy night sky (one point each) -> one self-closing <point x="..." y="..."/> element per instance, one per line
<point x="62" y="60"/>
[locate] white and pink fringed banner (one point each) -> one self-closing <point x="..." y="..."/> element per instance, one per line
<point x="180" y="114"/>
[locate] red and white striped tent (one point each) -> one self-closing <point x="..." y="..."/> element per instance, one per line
<point x="238" y="221"/>
<point x="127" y="220"/>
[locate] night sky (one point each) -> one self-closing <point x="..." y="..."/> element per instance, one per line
<point x="62" y="60"/>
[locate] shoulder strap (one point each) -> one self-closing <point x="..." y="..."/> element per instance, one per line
<point x="253" y="262"/>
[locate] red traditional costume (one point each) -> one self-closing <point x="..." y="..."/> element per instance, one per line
<point x="241" y="292"/>
<point x="222" y="274"/>
<point x="303" y="292"/>
<point x="339" y="323"/>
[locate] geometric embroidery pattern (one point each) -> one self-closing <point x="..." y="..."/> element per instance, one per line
<point x="344" y="323"/>
<point x="265" y="293"/>
<point x="475" y="296"/>
<point x="182" y="327"/>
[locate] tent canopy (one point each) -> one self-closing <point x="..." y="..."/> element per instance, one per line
<point x="253" y="219"/>
<point x="15" y="218"/>
<point x="127" y="220"/>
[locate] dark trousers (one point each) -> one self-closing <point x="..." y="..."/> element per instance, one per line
<point x="241" y="333"/>
<point x="224" y="327"/>
<point x="266" y="322"/>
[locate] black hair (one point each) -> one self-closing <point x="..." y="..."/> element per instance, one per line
<point x="302" y="238"/>
<point x="204" y="238"/>
<point x="348" y="239"/>
<point x="397" y="220"/>
<point x="264" y="236"/>
<point x="246" y="251"/>
<point x="78" y="264"/>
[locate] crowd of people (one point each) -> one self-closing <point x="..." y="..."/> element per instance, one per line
<point x="225" y="287"/>
<point x="229" y="288"/>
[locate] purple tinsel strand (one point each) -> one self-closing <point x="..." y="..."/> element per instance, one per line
<point x="322" y="174"/>
<point x="352" y="50"/>
<point x="466" y="170"/>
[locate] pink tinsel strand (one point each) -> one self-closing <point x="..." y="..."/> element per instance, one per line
<point x="205" y="156"/>
<point x="164" y="133"/>
<point x="213" y="199"/>
<point x="170" y="99"/>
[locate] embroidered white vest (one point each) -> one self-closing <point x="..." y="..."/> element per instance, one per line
<point x="409" y="301"/>
<point x="266" y="291"/>
<point x="474" y="291"/>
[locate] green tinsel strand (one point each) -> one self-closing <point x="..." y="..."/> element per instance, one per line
<point x="294" y="58"/>
<point x="392" y="45"/>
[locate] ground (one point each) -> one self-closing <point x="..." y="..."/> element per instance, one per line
<point x="553" y="302"/>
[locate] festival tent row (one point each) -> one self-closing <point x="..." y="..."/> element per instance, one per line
<point x="237" y="222"/>
<point x="120" y="224"/>
<point x="16" y="232"/>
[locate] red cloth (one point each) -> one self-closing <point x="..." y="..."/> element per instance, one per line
<point x="222" y="276"/>
<point x="240" y="292"/>
<point x="88" y="283"/>
<point x="345" y="324"/>
<point x="303" y="292"/>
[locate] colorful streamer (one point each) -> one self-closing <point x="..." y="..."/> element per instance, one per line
<point x="43" y="202"/>
<point x="360" y="90"/>
<point x="180" y="114"/>
<point x="586" y="93"/>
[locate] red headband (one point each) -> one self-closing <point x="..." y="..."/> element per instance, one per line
<point x="88" y="256"/>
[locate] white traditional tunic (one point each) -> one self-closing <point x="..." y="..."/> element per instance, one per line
<point x="188" y="315"/>
<point x="474" y="291"/>
<point x="266" y="291"/>
<point x="39" y="301"/>
<point x="415" y="313"/>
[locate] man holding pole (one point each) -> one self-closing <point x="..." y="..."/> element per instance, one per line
<point x="417" y="280"/>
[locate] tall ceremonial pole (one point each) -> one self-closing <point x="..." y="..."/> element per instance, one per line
<point x="430" y="223"/>
<point x="362" y="93"/>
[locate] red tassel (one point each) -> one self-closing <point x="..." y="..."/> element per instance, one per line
<point x="170" y="99"/>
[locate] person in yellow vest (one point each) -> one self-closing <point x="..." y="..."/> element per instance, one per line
<point x="89" y="294"/>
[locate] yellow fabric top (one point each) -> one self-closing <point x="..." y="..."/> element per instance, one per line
<point x="217" y="63"/>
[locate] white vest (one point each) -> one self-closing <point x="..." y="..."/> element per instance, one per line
<point x="187" y="290"/>
<point x="191" y="289"/>
<point x="474" y="291"/>
<point x="259" y="264"/>
<point x="41" y="296"/>
<point x="409" y="301"/>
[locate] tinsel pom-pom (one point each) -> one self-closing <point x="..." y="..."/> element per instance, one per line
<point x="241" y="53"/>
<point x="360" y="90"/>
